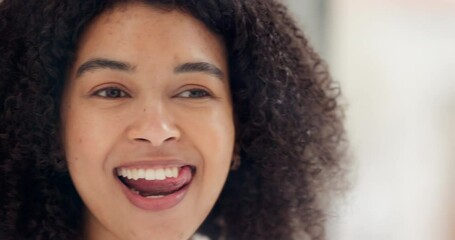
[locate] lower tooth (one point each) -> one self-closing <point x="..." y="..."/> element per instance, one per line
<point x="157" y="196"/>
<point x="137" y="192"/>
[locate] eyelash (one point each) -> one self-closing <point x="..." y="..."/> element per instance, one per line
<point x="105" y="90"/>
<point x="205" y="93"/>
<point x="104" y="93"/>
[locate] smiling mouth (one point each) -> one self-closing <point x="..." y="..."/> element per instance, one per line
<point x="154" y="183"/>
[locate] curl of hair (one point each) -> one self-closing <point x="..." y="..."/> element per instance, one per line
<point x="288" y="120"/>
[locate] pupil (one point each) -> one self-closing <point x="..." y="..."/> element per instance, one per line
<point x="197" y="94"/>
<point x="113" y="93"/>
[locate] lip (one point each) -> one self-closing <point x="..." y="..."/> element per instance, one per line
<point x="154" y="164"/>
<point x="154" y="204"/>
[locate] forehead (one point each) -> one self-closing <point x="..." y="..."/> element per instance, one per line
<point x="137" y="30"/>
<point x="124" y="15"/>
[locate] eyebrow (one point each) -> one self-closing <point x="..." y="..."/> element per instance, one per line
<point x="102" y="63"/>
<point x="190" y="67"/>
<point x="204" y="67"/>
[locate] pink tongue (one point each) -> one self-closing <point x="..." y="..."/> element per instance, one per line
<point x="160" y="187"/>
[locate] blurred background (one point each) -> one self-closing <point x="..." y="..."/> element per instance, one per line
<point x="395" y="61"/>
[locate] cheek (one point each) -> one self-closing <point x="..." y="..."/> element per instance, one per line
<point x="87" y="135"/>
<point x="88" y="139"/>
<point x="79" y="155"/>
<point x="213" y="135"/>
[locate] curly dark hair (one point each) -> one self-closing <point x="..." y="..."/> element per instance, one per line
<point x="288" y="120"/>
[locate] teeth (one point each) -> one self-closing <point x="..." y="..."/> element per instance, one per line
<point x="159" y="174"/>
<point x="148" y="174"/>
<point x="135" y="174"/>
<point x="134" y="191"/>
<point x="175" y="172"/>
<point x="157" y="196"/>
<point x="141" y="173"/>
<point x="168" y="172"/>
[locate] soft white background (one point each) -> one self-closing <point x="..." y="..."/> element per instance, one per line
<point x="395" y="60"/>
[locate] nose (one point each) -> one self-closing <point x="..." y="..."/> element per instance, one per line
<point x="154" y="125"/>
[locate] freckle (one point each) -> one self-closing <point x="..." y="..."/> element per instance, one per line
<point x="107" y="20"/>
<point x="143" y="110"/>
<point x="80" y="140"/>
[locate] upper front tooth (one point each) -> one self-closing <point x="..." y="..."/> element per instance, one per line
<point x="159" y="174"/>
<point x="168" y="172"/>
<point x="129" y="172"/>
<point x="175" y="172"/>
<point x="150" y="174"/>
<point x="140" y="173"/>
<point x="135" y="174"/>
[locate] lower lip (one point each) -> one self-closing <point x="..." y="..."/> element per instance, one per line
<point x="155" y="204"/>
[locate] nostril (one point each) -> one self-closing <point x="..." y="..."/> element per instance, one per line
<point x="158" y="142"/>
<point x="170" y="138"/>
<point x="152" y="134"/>
<point x="142" y="139"/>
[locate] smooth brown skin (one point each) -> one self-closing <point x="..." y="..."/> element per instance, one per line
<point x="153" y="117"/>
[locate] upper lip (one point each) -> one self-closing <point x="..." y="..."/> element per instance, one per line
<point x="155" y="162"/>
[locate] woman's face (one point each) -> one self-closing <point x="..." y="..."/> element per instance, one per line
<point x="147" y="123"/>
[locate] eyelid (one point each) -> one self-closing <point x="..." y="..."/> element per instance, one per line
<point x="209" y="93"/>
<point x="106" y="87"/>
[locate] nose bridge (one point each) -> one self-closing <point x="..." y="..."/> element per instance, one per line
<point x="153" y="123"/>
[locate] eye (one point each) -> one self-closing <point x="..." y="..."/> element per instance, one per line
<point x="111" y="92"/>
<point x="195" y="93"/>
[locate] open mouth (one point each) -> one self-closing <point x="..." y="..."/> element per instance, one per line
<point x="155" y="188"/>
